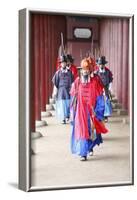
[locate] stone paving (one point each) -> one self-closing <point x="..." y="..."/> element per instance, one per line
<point x="53" y="165"/>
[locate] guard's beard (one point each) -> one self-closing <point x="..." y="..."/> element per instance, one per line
<point x="68" y="66"/>
<point x="85" y="77"/>
<point x="64" y="67"/>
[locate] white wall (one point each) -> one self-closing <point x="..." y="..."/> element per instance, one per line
<point x="9" y="97"/>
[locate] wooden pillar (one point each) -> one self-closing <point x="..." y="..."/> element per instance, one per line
<point x="34" y="134"/>
<point x="37" y="66"/>
<point x="116" y="55"/>
<point x="46" y="55"/>
<point x="32" y="78"/>
<point x="37" y="69"/>
<point x="42" y="66"/>
<point x="120" y="54"/>
<point x="125" y="64"/>
<point x="52" y="51"/>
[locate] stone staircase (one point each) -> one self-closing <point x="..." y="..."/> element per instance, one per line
<point x="119" y="114"/>
<point x="51" y="107"/>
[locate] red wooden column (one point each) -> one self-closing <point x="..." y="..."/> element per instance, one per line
<point x="55" y="34"/>
<point x="32" y="81"/>
<point x="49" y="55"/>
<point x="120" y="54"/>
<point x="117" y="35"/>
<point x="46" y="56"/>
<point x="125" y="63"/>
<point x="47" y="35"/>
<point x="32" y="78"/>
<point x="42" y="67"/>
<point x="45" y="41"/>
<point x="53" y="45"/>
<point x="36" y="66"/>
<point x="37" y="69"/>
<point x="48" y="60"/>
<point x="116" y="58"/>
<point x="111" y="51"/>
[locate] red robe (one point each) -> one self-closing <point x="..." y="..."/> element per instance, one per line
<point x="74" y="71"/>
<point x="58" y="64"/>
<point x="86" y="99"/>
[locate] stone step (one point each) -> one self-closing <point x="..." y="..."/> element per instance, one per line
<point x="112" y="95"/>
<point x="122" y="112"/>
<point x="114" y="100"/>
<point x="115" y="110"/>
<point x="53" y="112"/>
<point x="115" y="119"/>
<point x="114" y="114"/>
<point x="119" y="112"/>
<point x="35" y="135"/>
<point x="32" y="151"/>
<point x="51" y="101"/>
<point x="126" y="120"/>
<point x="46" y="114"/>
<point x="121" y="119"/>
<point x="54" y="105"/>
<point x="40" y="123"/>
<point x="116" y="106"/>
<point x="49" y="107"/>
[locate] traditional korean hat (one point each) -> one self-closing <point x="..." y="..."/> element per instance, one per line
<point x="70" y="58"/>
<point x="63" y="58"/>
<point x="86" y="64"/>
<point x="101" y="60"/>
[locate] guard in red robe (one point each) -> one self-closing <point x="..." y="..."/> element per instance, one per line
<point x="87" y="112"/>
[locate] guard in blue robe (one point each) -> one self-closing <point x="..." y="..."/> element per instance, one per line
<point x="62" y="80"/>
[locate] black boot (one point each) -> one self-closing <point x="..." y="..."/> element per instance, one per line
<point x="91" y="152"/>
<point x="64" y="121"/>
<point x="83" y="158"/>
<point x="106" y="119"/>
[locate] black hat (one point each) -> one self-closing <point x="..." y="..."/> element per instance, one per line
<point x="63" y="58"/>
<point x="101" y="60"/>
<point x="70" y="58"/>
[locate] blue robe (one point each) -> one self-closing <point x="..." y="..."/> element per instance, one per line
<point x="82" y="147"/>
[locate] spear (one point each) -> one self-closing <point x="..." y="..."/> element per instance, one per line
<point x="99" y="52"/>
<point x="59" y="51"/>
<point x="95" y="53"/>
<point x="70" y="48"/>
<point x="62" y="44"/>
<point x="66" y="50"/>
<point x="87" y="54"/>
<point x="92" y="49"/>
